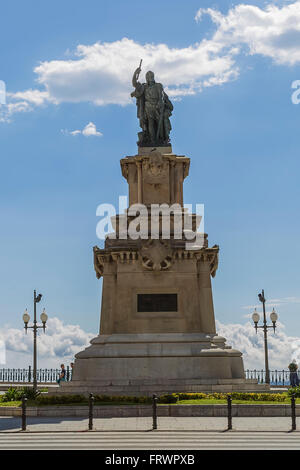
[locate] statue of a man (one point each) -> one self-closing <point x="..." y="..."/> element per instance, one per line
<point x="153" y="110"/>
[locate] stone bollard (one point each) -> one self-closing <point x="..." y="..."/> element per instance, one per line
<point x="91" y="411"/>
<point x="24" y="404"/>
<point x="154" y="401"/>
<point x="293" y="412"/>
<point x="229" y="412"/>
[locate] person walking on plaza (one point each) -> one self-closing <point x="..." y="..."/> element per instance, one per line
<point x="62" y="375"/>
<point x="294" y="379"/>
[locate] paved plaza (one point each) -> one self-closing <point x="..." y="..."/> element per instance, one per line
<point x="136" y="433"/>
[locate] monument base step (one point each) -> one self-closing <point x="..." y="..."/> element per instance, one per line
<point x="148" y="387"/>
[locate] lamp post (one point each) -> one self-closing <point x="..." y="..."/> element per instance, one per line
<point x="265" y="326"/>
<point x="34" y="327"/>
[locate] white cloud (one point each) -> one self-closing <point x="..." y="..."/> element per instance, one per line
<point x="73" y="132"/>
<point x="101" y="73"/>
<point x="59" y="344"/>
<point x="35" y="97"/>
<point x="274" y="303"/>
<point x="282" y="348"/>
<point x="272" y="31"/>
<point x="22" y="102"/>
<point x="89" y="130"/>
<point x="62" y="341"/>
<point x="6" y="111"/>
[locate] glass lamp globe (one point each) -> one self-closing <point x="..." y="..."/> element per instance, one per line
<point x="273" y="316"/>
<point x="26" y="317"/>
<point x="44" y="316"/>
<point x="255" y="316"/>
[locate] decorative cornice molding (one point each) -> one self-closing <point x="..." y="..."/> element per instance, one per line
<point x="103" y="256"/>
<point x="145" y="159"/>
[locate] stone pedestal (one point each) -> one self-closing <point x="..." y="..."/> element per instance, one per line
<point x="181" y="277"/>
<point x="143" y="364"/>
<point x="157" y="329"/>
<point x="155" y="177"/>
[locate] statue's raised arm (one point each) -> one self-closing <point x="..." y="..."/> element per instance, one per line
<point x="136" y="75"/>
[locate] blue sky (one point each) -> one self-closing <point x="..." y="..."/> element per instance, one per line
<point x="233" y="116"/>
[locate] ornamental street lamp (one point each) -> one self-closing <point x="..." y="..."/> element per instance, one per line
<point x="34" y="327"/>
<point x="255" y="318"/>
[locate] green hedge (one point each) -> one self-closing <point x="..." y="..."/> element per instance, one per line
<point x="123" y="398"/>
<point x="175" y="397"/>
<point x="60" y="399"/>
<point x="259" y="396"/>
<point x="168" y="398"/>
<point x="16" y="394"/>
<point x="67" y="399"/>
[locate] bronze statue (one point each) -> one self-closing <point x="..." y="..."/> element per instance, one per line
<point x="153" y="110"/>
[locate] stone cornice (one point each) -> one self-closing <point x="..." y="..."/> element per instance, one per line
<point x="103" y="256"/>
<point x="139" y="159"/>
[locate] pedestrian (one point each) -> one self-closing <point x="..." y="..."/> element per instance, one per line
<point x="294" y="379"/>
<point x="62" y="375"/>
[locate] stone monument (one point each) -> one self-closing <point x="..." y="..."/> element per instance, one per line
<point x="157" y="329"/>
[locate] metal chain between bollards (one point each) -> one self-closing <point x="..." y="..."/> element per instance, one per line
<point x="229" y="412"/>
<point x="24" y="404"/>
<point x="154" y="402"/>
<point x="293" y="412"/>
<point x="91" y="411"/>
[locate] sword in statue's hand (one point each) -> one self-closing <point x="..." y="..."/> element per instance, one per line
<point x="139" y="69"/>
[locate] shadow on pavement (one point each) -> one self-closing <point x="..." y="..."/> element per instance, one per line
<point x="15" y="423"/>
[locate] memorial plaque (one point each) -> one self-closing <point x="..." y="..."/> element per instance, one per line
<point x="157" y="302"/>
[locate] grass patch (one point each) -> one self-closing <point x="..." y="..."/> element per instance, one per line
<point x="10" y="403"/>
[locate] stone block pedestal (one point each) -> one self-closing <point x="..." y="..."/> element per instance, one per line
<point x="157" y="330"/>
<point x="143" y="364"/>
